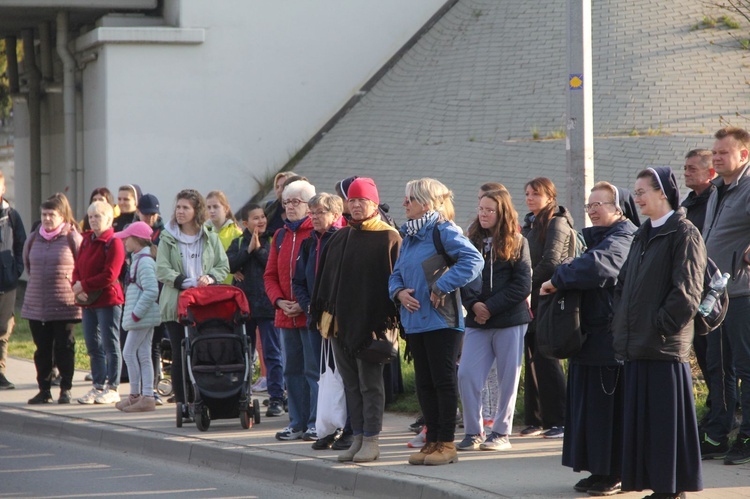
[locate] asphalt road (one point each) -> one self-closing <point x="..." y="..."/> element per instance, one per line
<point x="42" y="468"/>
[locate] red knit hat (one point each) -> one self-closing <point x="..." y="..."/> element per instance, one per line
<point x="364" y="188"/>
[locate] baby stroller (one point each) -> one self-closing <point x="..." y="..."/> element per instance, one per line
<point x="216" y="358"/>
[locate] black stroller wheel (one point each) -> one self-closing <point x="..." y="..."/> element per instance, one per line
<point x="203" y="420"/>
<point x="178" y="411"/>
<point x="256" y="411"/>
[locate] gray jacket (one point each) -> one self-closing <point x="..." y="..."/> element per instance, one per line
<point x="727" y="231"/>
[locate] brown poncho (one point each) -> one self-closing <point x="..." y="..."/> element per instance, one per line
<point x="352" y="283"/>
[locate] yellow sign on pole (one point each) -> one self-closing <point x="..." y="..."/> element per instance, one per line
<point x="576" y="82"/>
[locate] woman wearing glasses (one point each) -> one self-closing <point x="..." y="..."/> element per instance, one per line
<point x="190" y="255"/>
<point x="657" y="296"/>
<point x="325" y="213"/>
<point x="498" y="315"/>
<point x="593" y="418"/>
<point x="301" y="356"/>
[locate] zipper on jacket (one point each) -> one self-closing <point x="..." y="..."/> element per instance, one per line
<point x="291" y="273"/>
<point x="640" y="260"/>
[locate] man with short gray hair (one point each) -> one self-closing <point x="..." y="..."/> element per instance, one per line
<point x="727" y="235"/>
<point x="699" y="172"/>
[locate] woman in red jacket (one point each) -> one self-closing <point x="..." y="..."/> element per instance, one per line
<point x="301" y="348"/>
<point x="97" y="288"/>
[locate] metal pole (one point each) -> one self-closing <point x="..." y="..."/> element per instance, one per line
<point x="35" y="118"/>
<point x="579" y="143"/>
<point x="69" y="104"/>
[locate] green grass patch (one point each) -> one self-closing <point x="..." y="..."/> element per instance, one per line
<point x="729" y="22"/>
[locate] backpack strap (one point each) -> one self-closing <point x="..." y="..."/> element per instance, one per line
<point x="134" y="278"/>
<point x="278" y="238"/>
<point x="438" y="242"/>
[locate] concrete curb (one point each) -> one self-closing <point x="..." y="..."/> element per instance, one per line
<point x="320" y="474"/>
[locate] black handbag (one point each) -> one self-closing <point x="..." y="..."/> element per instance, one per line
<point x="558" y="324"/>
<point x="383" y="349"/>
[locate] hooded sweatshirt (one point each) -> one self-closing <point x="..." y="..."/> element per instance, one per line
<point x="177" y="273"/>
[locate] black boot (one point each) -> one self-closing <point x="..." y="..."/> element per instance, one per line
<point x="43" y="397"/>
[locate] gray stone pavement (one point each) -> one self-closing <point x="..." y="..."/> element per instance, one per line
<point x="531" y="469"/>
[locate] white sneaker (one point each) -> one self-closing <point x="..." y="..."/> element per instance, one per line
<point x="418" y="441"/>
<point x="261" y="385"/>
<point x="108" y="396"/>
<point x="310" y="435"/>
<point x="90" y="396"/>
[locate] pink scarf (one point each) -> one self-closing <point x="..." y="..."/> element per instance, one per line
<point x="51" y="235"/>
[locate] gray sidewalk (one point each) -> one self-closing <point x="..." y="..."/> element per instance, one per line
<point x="531" y="469"/>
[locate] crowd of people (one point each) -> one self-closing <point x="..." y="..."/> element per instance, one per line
<point x="332" y="270"/>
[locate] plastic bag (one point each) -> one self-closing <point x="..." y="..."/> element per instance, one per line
<point x="331" y="399"/>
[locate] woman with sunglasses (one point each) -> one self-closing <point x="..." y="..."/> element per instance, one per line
<point x="431" y="313"/>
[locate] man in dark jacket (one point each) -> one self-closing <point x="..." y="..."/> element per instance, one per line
<point x="12" y="239"/>
<point x="699" y="171"/>
<point x="727" y="235"/>
<point x="275" y="209"/>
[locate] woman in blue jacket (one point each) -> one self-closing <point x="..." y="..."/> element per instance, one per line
<point x="594" y="404"/>
<point x="430" y="312"/>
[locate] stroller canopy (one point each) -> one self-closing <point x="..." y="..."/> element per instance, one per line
<point x="212" y="302"/>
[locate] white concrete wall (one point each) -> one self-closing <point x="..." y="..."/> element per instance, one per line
<point x="219" y="114"/>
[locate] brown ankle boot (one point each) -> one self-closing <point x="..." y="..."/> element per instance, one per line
<point x="419" y="457"/>
<point x="444" y="453"/>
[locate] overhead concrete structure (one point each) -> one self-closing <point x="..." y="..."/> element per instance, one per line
<point x="465" y="103"/>
<point x="172" y="94"/>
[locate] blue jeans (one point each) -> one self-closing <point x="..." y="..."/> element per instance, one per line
<point x="101" y="330"/>
<point x="728" y="359"/>
<point x="269" y="339"/>
<point x="301" y="374"/>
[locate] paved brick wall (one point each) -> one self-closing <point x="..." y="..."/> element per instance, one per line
<point x="461" y="105"/>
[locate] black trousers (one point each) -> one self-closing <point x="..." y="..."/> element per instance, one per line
<point x="544" y="387"/>
<point x="176" y="333"/>
<point x="435" y="355"/>
<point x="55" y="345"/>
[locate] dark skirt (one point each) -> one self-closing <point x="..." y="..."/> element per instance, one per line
<point x="593" y="419"/>
<point x="661" y="450"/>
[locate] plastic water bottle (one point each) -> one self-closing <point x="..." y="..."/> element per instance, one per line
<point x="718" y="284"/>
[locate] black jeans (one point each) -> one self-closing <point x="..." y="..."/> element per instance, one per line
<point x="435" y="355"/>
<point x="54" y="338"/>
<point x="544" y="387"/>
